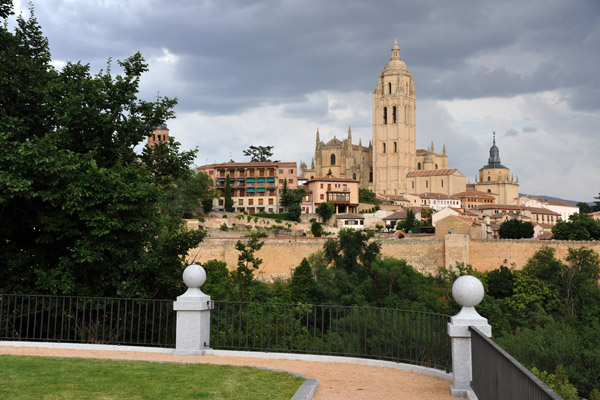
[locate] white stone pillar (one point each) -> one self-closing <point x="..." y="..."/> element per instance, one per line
<point x="468" y="292"/>
<point x="192" y="334"/>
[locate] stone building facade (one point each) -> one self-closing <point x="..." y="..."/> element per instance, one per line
<point x="384" y="165"/>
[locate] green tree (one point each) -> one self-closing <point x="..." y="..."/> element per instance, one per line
<point x="79" y="214"/>
<point x="578" y="227"/>
<point x="228" y="199"/>
<point x="367" y="196"/>
<point x="182" y="189"/>
<point x="410" y="224"/>
<point x="325" y="211"/>
<point x="259" y="153"/>
<point x="584" y="207"/>
<point x="248" y="262"/>
<point x="515" y="229"/>
<point x="303" y="283"/>
<point x="291" y="199"/>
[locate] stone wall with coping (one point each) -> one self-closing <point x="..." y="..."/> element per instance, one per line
<point x="281" y="255"/>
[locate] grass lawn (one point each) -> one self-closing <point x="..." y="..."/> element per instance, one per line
<point x="75" y="378"/>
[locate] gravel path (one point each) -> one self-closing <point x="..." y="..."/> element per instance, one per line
<point x="336" y="380"/>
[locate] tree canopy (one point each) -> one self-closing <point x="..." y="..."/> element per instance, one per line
<point x="515" y="229"/>
<point x="259" y="153"/>
<point x="79" y="212"/>
<point x="578" y="227"/>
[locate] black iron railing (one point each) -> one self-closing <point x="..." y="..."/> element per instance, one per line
<point x="87" y="320"/>
<point x="497" y="375"/>
<point x="386" y="334"/>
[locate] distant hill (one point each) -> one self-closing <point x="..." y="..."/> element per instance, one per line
<point x="574" y="202"/>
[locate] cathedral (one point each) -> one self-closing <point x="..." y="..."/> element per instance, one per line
<point x="391" y="164"/>
<point x="385" y="164"/>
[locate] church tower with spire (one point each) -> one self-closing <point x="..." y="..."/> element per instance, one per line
<point x="394" y="126"/>
<point x="496" y="179"/>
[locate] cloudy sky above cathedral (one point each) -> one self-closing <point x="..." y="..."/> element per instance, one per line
<point x="272" y="72"/>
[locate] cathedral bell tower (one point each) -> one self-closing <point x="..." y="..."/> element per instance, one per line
<point x="394" y="127"/>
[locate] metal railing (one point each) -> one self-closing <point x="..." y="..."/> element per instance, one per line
<point x="87" y="320"/>
<point x="497" y="375"/>
<point x="386" y="334"/>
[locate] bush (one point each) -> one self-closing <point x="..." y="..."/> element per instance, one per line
<point x="316" y="229"/>
<point x="224" y="227"/>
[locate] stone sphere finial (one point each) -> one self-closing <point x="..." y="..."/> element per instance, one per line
<point x="467" y="291"/>
<point x="194" y="276"/>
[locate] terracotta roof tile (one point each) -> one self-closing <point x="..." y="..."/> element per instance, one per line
<point x="431" y="172"/>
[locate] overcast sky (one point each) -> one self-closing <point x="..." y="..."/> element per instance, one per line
<point x="272" y="72"/>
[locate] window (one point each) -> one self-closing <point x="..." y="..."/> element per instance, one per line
<point x="260" y="202"/>
<point x="333" y="159"/>
<point x="390" y="87"/>
<point x="426" y="184"/>
<point x="436" y="167"/>
<point x="281" y="181"/>
<point x="413" y="184"/>
<point x="321" y="186"/>
<point x="291" y="171"/>
<point x="385" y="115"/>
<point x="290" y="180"/>
<point x="345" y="188"/>
<point x="221" y="202"/>
<point x="322" y="196"/>
<point x="384" y="147"/>
<point x="210" y="172"/>
<point x="442" y="183"/>
<point x="395" y="147"/>
<point x="489" y="179"/>
<point x="240" y="202"/>
<point x="353" y="176"/>
<point x="281" y="171"/>
<point x="250" y="202"/>
<point x="419" y="166"/>
<point x="261" y="172"/>
<point x="270" y="202"/>
<point x="394" y="114"/>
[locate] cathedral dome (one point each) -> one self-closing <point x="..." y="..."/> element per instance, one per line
<point x="395" y="63"/>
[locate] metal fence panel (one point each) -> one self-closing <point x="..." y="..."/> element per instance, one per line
<point x="96" y="320"/>
<point x="498" y="376"/>
<point x="386" y="334"/>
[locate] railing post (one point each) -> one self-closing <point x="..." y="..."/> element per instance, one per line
<point x="468" y="292"/>
<point x="192" y="334"/>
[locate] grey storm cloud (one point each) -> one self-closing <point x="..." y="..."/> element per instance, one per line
<point x="235" y="54"/>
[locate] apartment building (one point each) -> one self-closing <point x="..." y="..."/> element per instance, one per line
<point x="342" y="192"/>
<point x="255" y="186"/>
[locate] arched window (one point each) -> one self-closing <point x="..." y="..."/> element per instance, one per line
<point x="489" y="178"/>
<point x="312" y="177"/>
<point x="442" y="183"/>
<point x="426" y="184"/>
<point x="419" y="166"/>
<point x="353" y="176"/>
<point x="390" y="87"/>
<point x="394" y="114"/>
<point x="384" y="147"/>
<point x="413" y="184"/>
<point x="333" y="159"/>
<point x="385" y="115"/>
<point x="489" y="190"/>
<point x="436" y="167"/>
<point x="395" y="147"/>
